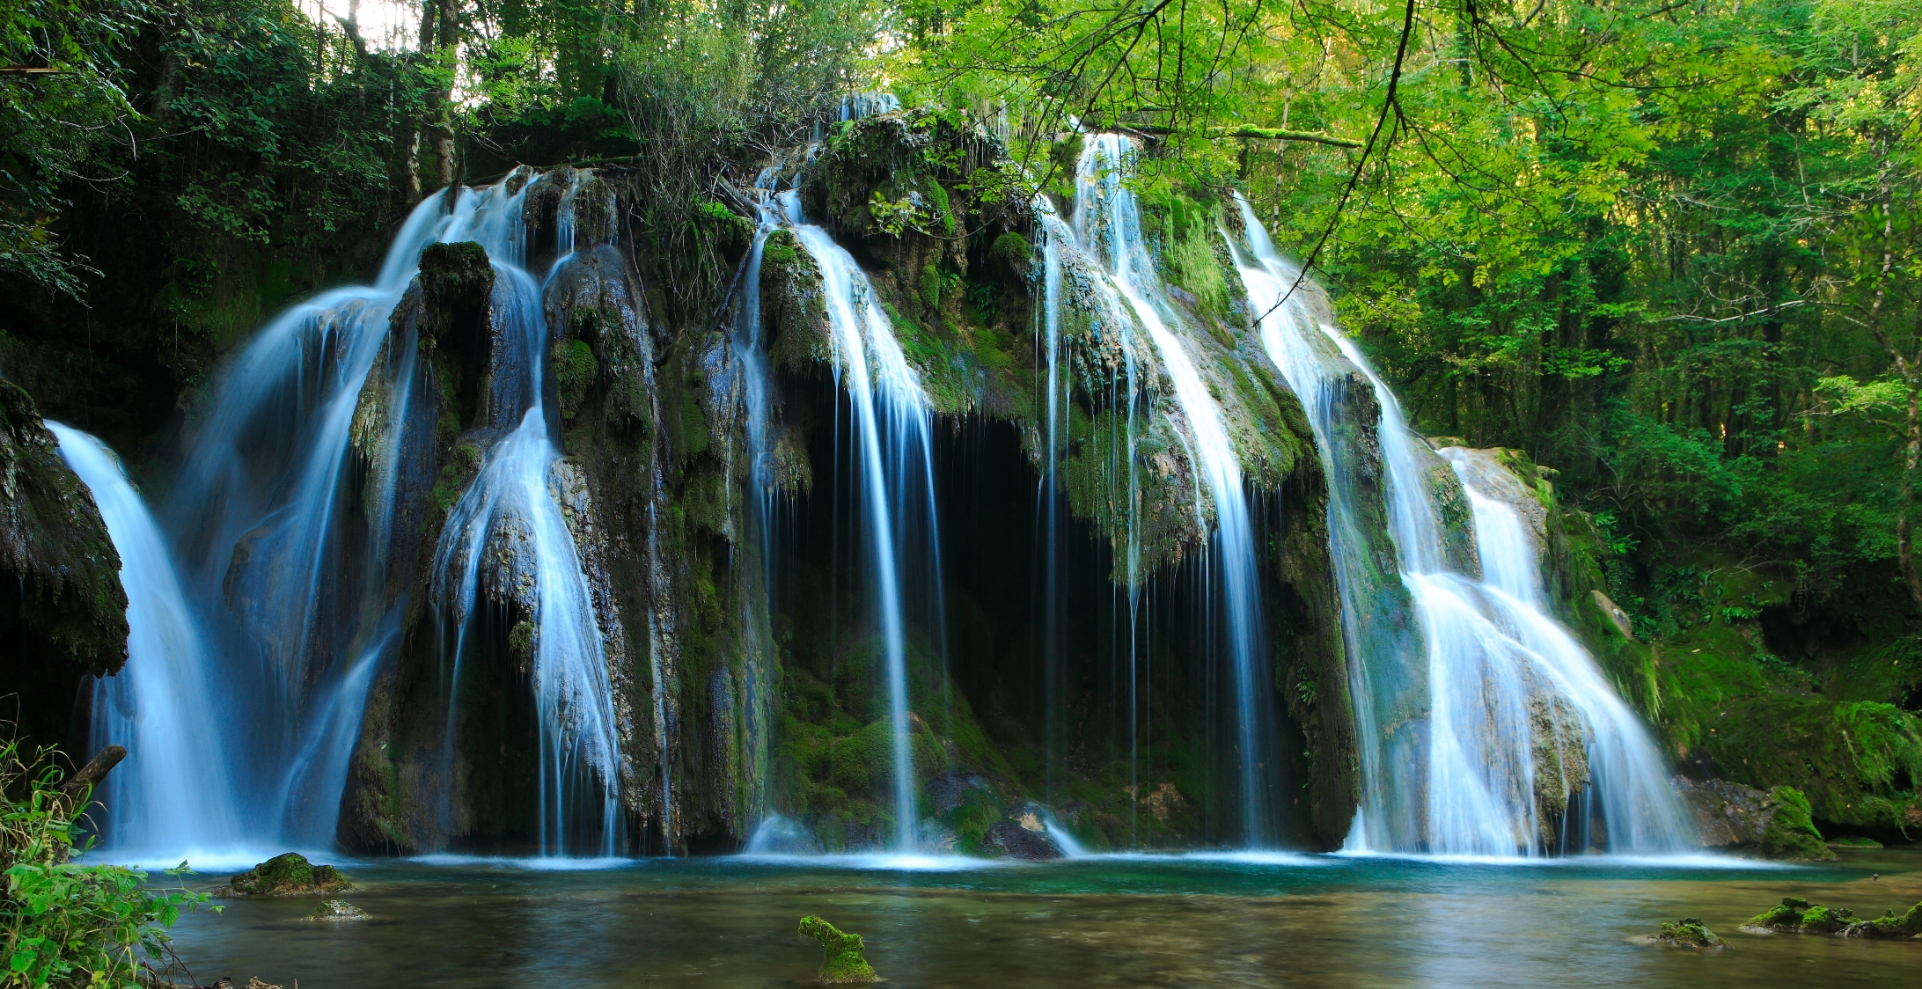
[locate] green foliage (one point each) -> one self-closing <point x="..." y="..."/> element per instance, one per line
<point x="66" y="925"/>
<point x="55" y="122"/>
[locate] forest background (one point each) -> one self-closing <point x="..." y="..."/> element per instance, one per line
<point x="1669" y="249"/>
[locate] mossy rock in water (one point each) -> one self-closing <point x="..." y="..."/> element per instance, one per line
<point x="841" y="961"/>
<point x="1689" y="932"/>
<point x="1891" y="925"/>
<point x="288" y="874"/>
<point x="1797" y="916"/>
<point x="1791" y="832"/>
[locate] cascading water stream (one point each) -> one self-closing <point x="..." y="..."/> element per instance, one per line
<point x="893" y="423"/>
<point x="167" y="797"/>
<point x="1056" y="242"/>
<point x="256" y="516"/>
<point x="1107" y="224"/>
<point x="1499" y="682"/>
<point x="508" y="530"/>
<point x="756" y="381"/>
<point x="294" y="586"/>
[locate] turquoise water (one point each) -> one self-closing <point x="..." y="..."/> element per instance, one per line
<point x="1195" y="921"/>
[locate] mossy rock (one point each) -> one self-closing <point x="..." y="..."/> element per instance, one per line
<point x="55" y="552"/>
<point x="1795" y="915"/>
<point x="1689" y="932"/>
<point x="841" y="961"/>
<point x="288" y="875"/>
<point x="1791" y="832"/>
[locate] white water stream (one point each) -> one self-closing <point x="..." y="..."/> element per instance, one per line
<point x="893" y="424"/>
<point x="166" y="796"/>
<point x="1107" y="225"/>
<point x="1497" y="678"/>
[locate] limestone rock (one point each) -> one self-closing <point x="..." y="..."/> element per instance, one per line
<point x="1731" y="815"/>
<point x="1616" y="616"/>
<point x="1021" y="835"/>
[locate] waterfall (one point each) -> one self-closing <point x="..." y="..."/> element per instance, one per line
<point x="1107" y="225"/>
<point x="1504" y="690"/>
<point x="299" y="589"/>
<point x="510" y="528"/>
<point x="270" y="563"/>
<point x="168" y="796"/>
<point x="756" y="381"/>
<point x="893" y="424"/>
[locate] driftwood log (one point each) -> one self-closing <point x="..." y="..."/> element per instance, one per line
<point x="94" y="771"/>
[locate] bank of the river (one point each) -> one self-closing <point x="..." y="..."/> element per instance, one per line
<point x="1249" y="921"/>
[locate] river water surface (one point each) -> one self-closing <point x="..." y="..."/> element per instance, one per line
<point x="1276" y="920"/>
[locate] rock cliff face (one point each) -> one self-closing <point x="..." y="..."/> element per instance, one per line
<point x="63" y="613"/>
<point x="738" y="640"/>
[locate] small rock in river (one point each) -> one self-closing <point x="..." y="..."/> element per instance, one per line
<point x="286" y="874"/>
<point x="841" y="961"/>
<point x="1689" y="933"/>
<point x="337" y="910"/>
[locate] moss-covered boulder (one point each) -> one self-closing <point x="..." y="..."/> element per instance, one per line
<point x="1689" y="932"/>
<point x="1795" y="915"/>
<point x="1775" y="823"/>
<point x="63" y="614"/>
<point x="54" y="546"/>
<point x="1790" y="832"/>
<point x="841" y="961"/>
<point x="288" y="875"/>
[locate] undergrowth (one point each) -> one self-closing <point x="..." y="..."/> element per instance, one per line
<point x="66" y="925"/>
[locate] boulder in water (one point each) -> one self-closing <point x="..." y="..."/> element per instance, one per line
<point x="1795" y="915"/>
<point x="287" y="875"/>
<point x="1776" y="823"/>
<point x="1023" y="834"/>
<point x="841" y="961"/>
<point x="1689" y="932"/>
<point x="337" y="910"/>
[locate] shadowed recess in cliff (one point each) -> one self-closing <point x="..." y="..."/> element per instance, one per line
<point x="1107" y="224"/>
<point x="892" y="421"/>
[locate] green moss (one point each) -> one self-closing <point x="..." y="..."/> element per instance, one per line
<point x="1013" y="250"/>
<point x="575" y="371"/>
<point x="1791" y="833"/>
<point x="931" y="286"/>
<point x="1689" y="933"/>
<point x="780" y="248"/>
<point x="289" y="873"/>
<point x="1784" y="916"/>
<point x="841" y="961"/>
<point x="1891" y="925"/>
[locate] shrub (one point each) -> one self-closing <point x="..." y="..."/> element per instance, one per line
<point x="63" y="924"/>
